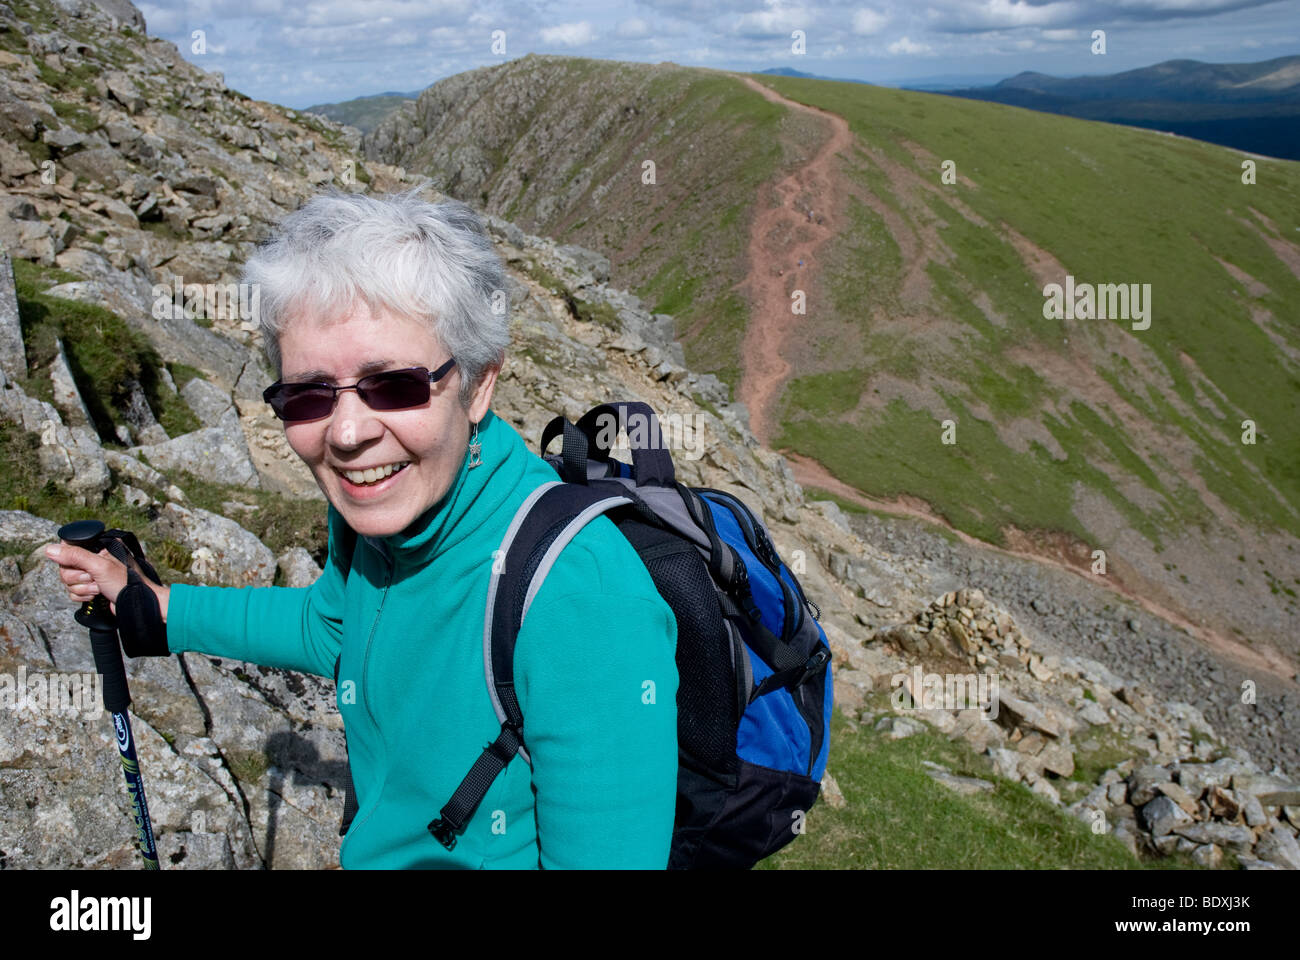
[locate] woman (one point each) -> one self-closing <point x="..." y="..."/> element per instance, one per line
<point x="383" y="316"/>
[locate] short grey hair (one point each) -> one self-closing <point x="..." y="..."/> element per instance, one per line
<point x="430" y="262"/>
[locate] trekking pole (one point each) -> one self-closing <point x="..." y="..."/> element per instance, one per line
<point x="95" y="615"/>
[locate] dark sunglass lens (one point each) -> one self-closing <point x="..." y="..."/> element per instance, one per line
<point x="395" y="390"/>
<point x="304" y="401"/>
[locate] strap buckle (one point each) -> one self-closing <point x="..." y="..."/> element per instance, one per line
<point x="814" y="666"/>
<point x="443" y="832"/>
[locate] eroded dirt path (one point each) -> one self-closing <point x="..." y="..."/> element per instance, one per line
<point x="810" y="199"/>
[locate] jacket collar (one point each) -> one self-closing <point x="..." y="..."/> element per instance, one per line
<point x="475" y="499"/>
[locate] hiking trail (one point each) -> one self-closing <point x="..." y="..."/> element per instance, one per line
<point x="807" y="215"/>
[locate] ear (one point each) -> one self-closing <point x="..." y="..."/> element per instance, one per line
<point x="483" y="393"/>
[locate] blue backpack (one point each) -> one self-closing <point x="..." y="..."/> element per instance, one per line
<point x="754" y="694"/>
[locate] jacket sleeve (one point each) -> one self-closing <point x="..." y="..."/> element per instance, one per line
<point x="596" y="675"/>
<point x="292" y="628"/>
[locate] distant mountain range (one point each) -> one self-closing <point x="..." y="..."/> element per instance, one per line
<point x="364" y="113"/>
<point x="1250" y="106"/>
<point x="942" y="81"/>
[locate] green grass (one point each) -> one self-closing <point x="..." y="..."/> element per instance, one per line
<point x="104" y="353"/>
<point x="898" y="818"/>
<point x="1114" y="205"/>
<point x="24" y="487"/>
<point x="75" y="115"/>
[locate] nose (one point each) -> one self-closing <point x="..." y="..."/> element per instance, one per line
<point x="352" y="423"/>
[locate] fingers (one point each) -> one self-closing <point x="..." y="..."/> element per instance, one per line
<point x="86" y="574"/>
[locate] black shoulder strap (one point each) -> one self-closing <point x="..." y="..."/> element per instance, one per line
<point x="592" y="436"/>
<point x="546" y="521"/>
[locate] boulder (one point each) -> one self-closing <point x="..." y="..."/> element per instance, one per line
<point x="221" y="550"/>
<point x="218" y="454"/>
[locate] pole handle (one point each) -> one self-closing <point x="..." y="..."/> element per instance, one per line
<point x="107" y="651"/>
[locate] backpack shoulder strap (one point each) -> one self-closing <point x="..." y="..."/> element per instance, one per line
<point x="545" y="522"/>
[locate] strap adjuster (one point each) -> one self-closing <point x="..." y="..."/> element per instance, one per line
<point x="814" y="666"/>
<point x="442" y="832"/>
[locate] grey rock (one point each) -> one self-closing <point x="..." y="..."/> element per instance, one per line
<point x="1161" y="816"/>
<point x="219" y="454"/>
<point x="1253" y="863"/>
<point x="221" y="550"/>
<point x="298" y="568"/>
<point x="1208" y="855"/>
<point x="1223" y="834"/>
<point x="1269" y="790"/>
<point x="1142" y="783"/>
<point x="139" y="416"/>
<point x="1279" y="847"/>
<point x="1167" y="844"/>
<point x="131" y="468"/>
<point x="75" y="459"/>
<point x="135" y="496"/>
<point x="23" y="527"/>
<point x="1195" y="778"/>
<point x="899" y="728"/>
<point x="1006" y="763"/>
<point x="124" y="91"/>
<point x="13" y="358"/>
<point x="1094" y="713"/>
<point x="1125" y="833"/>
<point x="208" y="401"/>
<point x="963" y="785"/>
<point x="66" y="395"/>
<point x="1252" y="811"/>
<point x="1023" y="713"/>
<point x="832" y="512"/>
<point x="63" y="139"/>
<point x="1057" y="758"/>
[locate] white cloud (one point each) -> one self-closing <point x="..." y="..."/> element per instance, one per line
<point x="905" y="46"/>
<point x="635" y="27"/>
<point x="776" y="18"/>
<point x="867" y="22"/>
<point x="569" y="34"/>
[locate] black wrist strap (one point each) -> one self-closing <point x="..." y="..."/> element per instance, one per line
<point x="139" y="617"/>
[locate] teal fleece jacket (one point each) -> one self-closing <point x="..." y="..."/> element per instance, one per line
<point x="595" y="673"/>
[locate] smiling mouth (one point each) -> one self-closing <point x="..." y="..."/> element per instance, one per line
<point x="363" y="478"/>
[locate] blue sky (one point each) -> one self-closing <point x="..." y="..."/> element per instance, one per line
<point x="301" y="53"/>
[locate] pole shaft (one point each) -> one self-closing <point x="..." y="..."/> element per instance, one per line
<point x="135" y="787"/>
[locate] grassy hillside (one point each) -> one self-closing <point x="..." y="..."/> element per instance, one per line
<point x="1111" y="205"/>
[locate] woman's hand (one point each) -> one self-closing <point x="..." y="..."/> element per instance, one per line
<point x="88" y="575"/>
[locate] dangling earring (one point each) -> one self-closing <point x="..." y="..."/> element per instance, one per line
<point x="474" y="448"/>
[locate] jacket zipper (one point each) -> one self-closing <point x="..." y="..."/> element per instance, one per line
<point x="365" y="672"/>
<point x="764" y="550"/>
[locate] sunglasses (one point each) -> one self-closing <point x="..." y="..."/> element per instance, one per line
<point x="390" y="390"/>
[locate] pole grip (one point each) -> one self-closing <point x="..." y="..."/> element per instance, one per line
<point x="108" y="662"/>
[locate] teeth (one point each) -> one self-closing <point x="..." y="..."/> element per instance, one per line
<point x="374" y="473"/>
